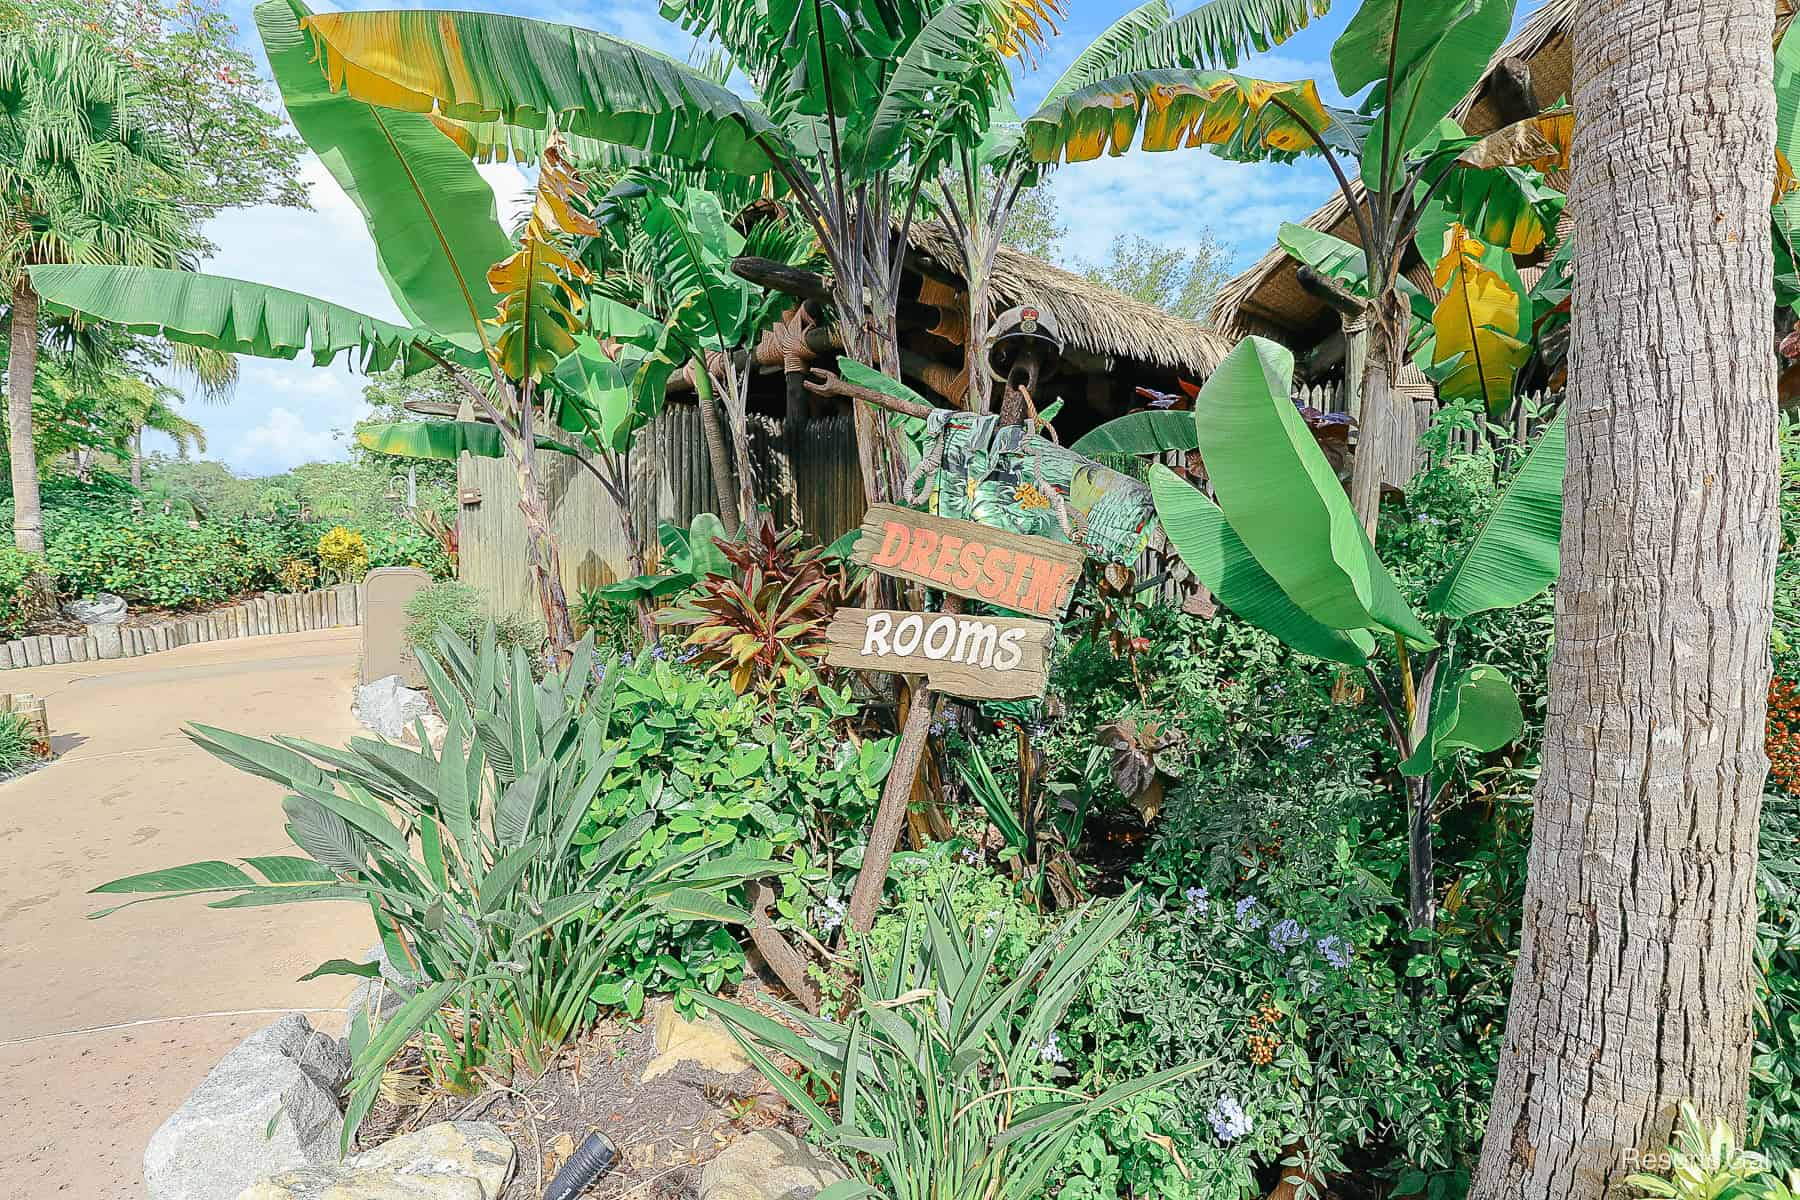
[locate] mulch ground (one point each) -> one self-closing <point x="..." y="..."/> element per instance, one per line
<point x="666" y="1129"/>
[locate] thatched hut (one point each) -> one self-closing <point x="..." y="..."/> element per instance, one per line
<point x="1529" y="73"/>
<point x="803" y="454"/>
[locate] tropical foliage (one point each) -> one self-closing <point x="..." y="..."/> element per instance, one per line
<point x="503" y="928"/>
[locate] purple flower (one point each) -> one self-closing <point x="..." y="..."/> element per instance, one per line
<point x="1287" y="933"/>
<point x="1196" y="898"/>
<point x="1335" y="950"/>
<point x="952" y="719"/>
<point x="970" y="855"/>
<point x="1247" y="916"/>
<point x="688" y="655"/>
<point x="658" y="653"/>
<point x="1228" y="1118"/>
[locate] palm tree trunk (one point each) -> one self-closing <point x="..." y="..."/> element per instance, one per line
<point x="1633" y="991"/>
<point x="28" y="511"/>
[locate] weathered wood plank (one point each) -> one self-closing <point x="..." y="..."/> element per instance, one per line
<point x="1011" y="570"/>
<point x="976" y="657"/>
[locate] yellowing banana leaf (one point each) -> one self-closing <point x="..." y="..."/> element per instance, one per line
<point x="1503" y="206"/>
<point x="1540" y="142"/>
<point x="1140" y="433"/>
<point x="429" y="212"/>
<point x="537" y="321"/>
<point x="232" y="315"/>
<point x="1284" y="500"/>
<point x="1240" y="118"/>
<point x="1216" y="555"/>
<point x="479" y="67"/>
<point x="1482" y="325"/>
<point x="1479" y="712"/>
<point x="442" y="440"/>
<point x="1514" y="555"/>
<point x="1433" y="51"/>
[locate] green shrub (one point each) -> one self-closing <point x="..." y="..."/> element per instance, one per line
<point x="726" y="774"/>
<point x="15" y="743"/>
<point x="1774" y="1119"/>
<point x="457" y="609"/>
<point x="468" y="863"/>
<point x="158" y="559"/>
<point x="16" y="571"/>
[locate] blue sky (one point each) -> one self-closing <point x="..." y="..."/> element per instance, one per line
<point x="284" y="414"/>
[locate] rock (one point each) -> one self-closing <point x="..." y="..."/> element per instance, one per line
<point x="388" y="706"/>
<point x="104" y="609"/>
<point x="435" y="732"/>
<point x="770" y="1164"/>
<point x="454" y="1160"/>
<point x="705" y="1042"/>
<point x="269" y="1105"/>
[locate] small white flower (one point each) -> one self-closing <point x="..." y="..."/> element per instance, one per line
<point x="1050" y="1051"/>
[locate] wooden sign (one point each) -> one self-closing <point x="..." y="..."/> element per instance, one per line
<point x="1009" y="570"/>
<point x="978" y="658"/>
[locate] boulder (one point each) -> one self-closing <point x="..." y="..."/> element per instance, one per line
<point x="770" y="1164"/>
<point x="269" y="1105"/>
<point x="454" y="1160"/>
<point x="104" y="609"/>
<point x="388" y="706"/>
<point x="436" y="730"/>
<point x="705" y="1042"/>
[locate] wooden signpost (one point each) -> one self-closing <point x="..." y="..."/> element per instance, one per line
<point x="978" y="658"/>
<point x="1011" y="570"/>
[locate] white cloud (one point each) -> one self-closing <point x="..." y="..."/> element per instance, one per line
<point x="1180" y="196"/>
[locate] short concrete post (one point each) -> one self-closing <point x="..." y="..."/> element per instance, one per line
<point x="385" y="650"/>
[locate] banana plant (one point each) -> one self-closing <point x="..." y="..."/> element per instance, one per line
<point x="501" y="924"/>
<point x="939" y="1067"/>
<point x="1283" y="549"/>
<point x="977" y="191"/>
<point x="1391" y="158"/>
<point x="858" y="102"/>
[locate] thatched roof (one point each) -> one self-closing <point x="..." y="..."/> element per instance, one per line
<point x="1091" y="316"/>
<point x="1267" y="299"/>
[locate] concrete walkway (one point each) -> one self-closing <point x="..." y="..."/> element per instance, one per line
<point x="106" y="1025"/>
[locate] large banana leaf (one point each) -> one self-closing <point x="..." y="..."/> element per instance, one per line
<point x="1540" y="142"/>
<point x="1482" y="325"/>
<point x="1284" y="500"/>
<point x="232" y="315"/>
<point x="691" y="246"/>
<point x="1479" y="711"/>
<point x="443" y="440"/>
<point x="1140" y="433"/>
<point x="1504" y="206"/>
<point x="1330" y="256"/>
<point x="1112" y="51"/>
<point x="1240" y="118"/>
<point x="1787" y="126"/>
<point x="612" y="397"/>
<point x="1433" y="50"/>
<point x="479" y="67"/>
<point x="1514" y="555"/>
<point x="1219" y="32"/>
<point x="944" y="83"/>
<point x="429" y="212"/>
<point x="1218" y="558"/>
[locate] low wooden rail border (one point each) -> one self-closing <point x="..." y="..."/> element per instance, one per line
<point x="327" y="608"/>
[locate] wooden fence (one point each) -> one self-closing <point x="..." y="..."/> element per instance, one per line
<point x="811" y="479"/>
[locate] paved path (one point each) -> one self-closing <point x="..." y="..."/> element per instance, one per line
<point x="106" y="1025"/>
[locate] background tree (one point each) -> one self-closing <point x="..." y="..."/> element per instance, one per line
<point x="207" y="97"/>
<point x="82" y="180"/>
<point x="1632" y="990"/>
<point x="1177" y="281"/>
